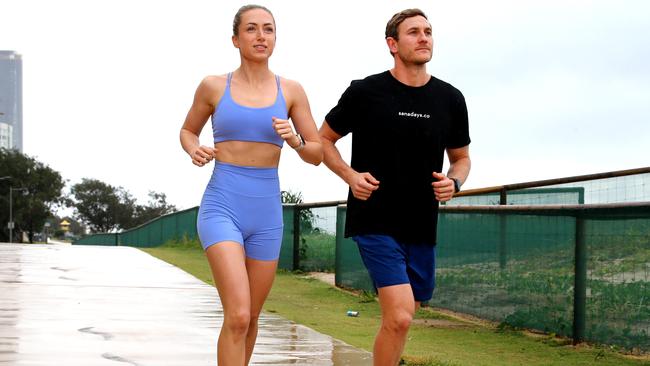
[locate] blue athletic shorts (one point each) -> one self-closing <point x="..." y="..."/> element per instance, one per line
<point x="392" y="263"/>
<point x="242" y="204"/>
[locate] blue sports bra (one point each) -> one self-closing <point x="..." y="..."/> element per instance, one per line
<point x="232" y="121"/>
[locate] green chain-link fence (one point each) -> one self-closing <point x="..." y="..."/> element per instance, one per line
<point x="580" y="271"/>
<point x="543" y="261"/>
<point x="99" y="239"/>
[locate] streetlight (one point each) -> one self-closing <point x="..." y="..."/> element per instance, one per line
<point x="11" y="207"/>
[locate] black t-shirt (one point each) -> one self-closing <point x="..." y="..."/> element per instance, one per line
<point x="399" y="135"/>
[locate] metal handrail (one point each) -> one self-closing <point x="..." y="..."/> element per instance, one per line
<point x="554" y="181"/>
<point x="627" y="209"/>
<point x="318" y="204"/>
<point x="511" y="187"/>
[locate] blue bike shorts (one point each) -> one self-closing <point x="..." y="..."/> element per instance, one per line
<point x="242" y="204"/>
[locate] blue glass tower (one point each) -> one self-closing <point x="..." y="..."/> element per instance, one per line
<point x="11" y="100"/>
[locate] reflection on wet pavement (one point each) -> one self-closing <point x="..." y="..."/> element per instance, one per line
<point x="92" y="305"/>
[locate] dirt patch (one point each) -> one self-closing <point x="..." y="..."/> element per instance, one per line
<point x="323" y="276"/>
<point x="442" y="323"/>
<point x="466" y="318"/>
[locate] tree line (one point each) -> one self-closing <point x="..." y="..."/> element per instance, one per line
<point x="37" y="192"/>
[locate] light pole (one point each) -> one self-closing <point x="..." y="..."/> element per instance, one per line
<point x="11" y="212"/>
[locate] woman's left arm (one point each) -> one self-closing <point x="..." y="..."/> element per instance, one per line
<point x="300" y="114"/>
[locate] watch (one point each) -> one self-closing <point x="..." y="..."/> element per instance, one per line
<point x="456" y="184"/>
<point x="302" y="142"/>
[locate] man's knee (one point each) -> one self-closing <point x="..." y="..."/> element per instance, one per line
<point x="397" y="321"/>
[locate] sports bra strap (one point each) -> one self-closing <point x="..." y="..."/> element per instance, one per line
<point x="277" y="80"/>
<point x="228" y="80"/>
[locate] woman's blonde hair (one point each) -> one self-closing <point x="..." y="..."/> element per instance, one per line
<point x="237" y="21"/>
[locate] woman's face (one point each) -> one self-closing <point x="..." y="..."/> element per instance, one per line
<point x="256" y="38"/>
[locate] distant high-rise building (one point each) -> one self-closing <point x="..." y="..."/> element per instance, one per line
<point x="11" y="100"/>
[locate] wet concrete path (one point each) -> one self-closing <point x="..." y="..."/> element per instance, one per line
<point x="91" y="305"/>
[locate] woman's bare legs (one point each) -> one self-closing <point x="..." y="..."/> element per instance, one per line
<point x="243" y="285"/>
<point x="260" y="279"/>
<point x="228" y="264"/>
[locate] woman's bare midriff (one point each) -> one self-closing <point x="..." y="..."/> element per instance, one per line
<point x="245" y="153"/>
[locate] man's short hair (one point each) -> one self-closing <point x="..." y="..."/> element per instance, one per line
<point x="397" y="19"/>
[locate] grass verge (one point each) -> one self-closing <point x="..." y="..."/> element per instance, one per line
<point x="434" y="339"/>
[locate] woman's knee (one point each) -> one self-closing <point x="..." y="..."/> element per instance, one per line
<point x="237" y="321"/>
<point x="254" y="318"/>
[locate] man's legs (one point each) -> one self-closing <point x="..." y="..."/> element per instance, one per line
<point x="397" y="309"/>
<point x="404" y="275"/>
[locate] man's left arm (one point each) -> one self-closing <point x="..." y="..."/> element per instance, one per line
<point x="459" y="166"/>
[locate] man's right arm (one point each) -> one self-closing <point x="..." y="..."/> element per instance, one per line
<point x="361" y="184"/>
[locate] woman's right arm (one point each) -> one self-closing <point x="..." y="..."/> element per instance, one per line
<point x="202" y="107"/>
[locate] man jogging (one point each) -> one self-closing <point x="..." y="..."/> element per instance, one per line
<point x="402" y="121"/>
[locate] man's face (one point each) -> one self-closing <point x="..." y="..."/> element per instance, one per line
<point x="415" y="44"/>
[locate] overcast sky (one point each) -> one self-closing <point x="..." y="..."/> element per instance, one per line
<point x="553" y="88"/>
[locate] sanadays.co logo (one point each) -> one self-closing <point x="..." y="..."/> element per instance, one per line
<point x="413" y="114"/>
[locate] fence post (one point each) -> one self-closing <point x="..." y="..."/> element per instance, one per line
<point x="580" y="285"/>
<point x="296" y="238"/>
<point x="340" y="233"/>
<point x="502" y="231"/>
